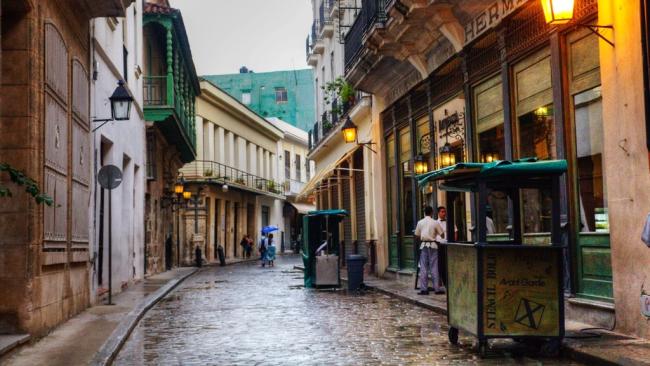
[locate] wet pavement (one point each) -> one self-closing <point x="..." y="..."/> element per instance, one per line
<point x="247" y="315"/>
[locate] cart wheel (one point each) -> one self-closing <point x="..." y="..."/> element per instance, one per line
<point x="453" y="336"/>
<point x="551" y="348"/>
<point x="482" y="348"/>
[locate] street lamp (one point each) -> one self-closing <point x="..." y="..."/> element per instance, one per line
<point x="420" y="164"/>
<point x="558" y="12"/>
<point x="121" y="101"/>
<point x="349" y="131"/>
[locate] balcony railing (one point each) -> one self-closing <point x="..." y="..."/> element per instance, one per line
<point x="212" y="171"/>
<point x="330" y="120"/>
<point x="155" y="90"/>
<point x="323" y="14"/>
<point x="293" y="187"/>
<point x="372" y="11"/>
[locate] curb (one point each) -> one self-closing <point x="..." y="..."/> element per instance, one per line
<point x="116" y="340"/>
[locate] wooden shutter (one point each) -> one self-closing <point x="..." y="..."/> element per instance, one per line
<point x="55" y="229"/>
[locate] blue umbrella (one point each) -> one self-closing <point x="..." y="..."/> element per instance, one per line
<point x="268" y="229"/>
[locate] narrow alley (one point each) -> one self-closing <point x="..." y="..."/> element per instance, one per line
<point x="247" y="315"/>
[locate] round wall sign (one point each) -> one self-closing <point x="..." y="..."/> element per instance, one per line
<point x="109" y="177"/>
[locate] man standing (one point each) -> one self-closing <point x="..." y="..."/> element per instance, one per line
<point x="442" y="254"/>
<point x="426" y="232"/>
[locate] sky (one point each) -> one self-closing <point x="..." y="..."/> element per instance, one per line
<point x="263" y="35"/>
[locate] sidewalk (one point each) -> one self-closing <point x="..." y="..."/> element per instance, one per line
<point x="582" y="342"/>
<point x="98" y="331"/>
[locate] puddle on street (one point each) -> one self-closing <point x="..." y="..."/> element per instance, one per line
<point x="262" y="316"/>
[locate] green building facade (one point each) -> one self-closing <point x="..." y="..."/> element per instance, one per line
<point x="288" y="95"/>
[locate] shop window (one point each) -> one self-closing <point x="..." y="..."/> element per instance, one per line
<point x="265" y="215"/>
<point x="406" y="174"/>
<point x="589" y="154"/>
<point x="391" y="185"/>
<point x="535" y="132"/>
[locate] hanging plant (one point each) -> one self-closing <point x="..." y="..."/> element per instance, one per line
<point x="338" y="88"/>
<point x="19" y="178"/>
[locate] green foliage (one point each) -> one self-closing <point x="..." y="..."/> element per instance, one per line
<point x="19" y="178"/>
<point x="338" y="88"/>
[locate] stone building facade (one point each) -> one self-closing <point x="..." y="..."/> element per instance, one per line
<point x="45" y="131"/>
<point x="170" y="90"/>
<point x="237" y="149"/>
<point x="117" y="52"/>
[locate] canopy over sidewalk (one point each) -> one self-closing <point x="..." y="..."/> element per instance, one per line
<point x="465" y="176"/>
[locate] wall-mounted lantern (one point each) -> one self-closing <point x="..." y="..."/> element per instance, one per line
<point x="447" y="156"/>
<point x="349" y="131"/>
<point x="187" y="195"/>
<point x="121" y="102"/>
<point x="557" y="12"/>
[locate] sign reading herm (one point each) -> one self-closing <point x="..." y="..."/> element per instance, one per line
<point x="490" y="17"/>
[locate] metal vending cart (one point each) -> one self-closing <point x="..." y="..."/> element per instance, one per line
<point x="320" y="250"/>
<point x="504" y="288"/>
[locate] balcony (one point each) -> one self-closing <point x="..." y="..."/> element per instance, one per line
<point x="105" y="8"/>
<point x="327" y="26"/>
<point x="173" y="110"/>
<point x="317" y="44"/>
<point x="312" y="58"/>
<point x="372" y="14"/>
<point x="333" y="6"/>
<point x="332" y="119"/>
<point x="293" y="187"/>
<point x="169" y="95"/>
<point x="206" y="171"/>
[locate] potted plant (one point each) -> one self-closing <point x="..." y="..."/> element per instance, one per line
<point x="207" y="172"/>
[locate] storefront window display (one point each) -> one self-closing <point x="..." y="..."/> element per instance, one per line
<point x="488" y="106"/>
<point x="535" y="134"/>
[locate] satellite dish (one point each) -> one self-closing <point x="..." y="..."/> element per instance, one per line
<point x="109" y="177"/>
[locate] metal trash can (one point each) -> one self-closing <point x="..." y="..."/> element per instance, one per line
<point x="355" y="264"/>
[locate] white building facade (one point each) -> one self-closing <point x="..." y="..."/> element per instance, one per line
<point x="117" y="55"/>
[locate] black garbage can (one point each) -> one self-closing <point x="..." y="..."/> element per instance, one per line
<point x="355" y="264"/>
<point x="222" y="256"/>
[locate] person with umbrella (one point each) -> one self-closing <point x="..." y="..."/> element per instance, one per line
<point x="265" y="243"/>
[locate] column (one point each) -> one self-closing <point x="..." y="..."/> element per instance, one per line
<point x="209" y="141"/>
<point x="252" y="158"/>
<point x="267" y="165"/>
<point x="240" y="157"/>
<point x="260" y="161"/>
<point x="170" y="67"/>
<point x="230" y="146"/>
<point x="199" y="137"/>
<point x="274" y="167"/>
<point x="219" y="148"/>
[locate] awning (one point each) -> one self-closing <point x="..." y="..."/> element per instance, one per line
<point x="302" y="208"/>
<point x="328" y="213"/>
<point x="464" y="176"/>
<point x="324" y="173"/>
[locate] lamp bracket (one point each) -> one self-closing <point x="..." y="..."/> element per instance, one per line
<point x="367" y="145"/>
<point x="104" y="121"/>
<point x="595" y="29"/>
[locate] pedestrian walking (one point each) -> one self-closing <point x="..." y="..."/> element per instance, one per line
<point x="245" y="243"/>
<point x="427" y="233"/>
<point x="262" y="250"/>
<point x="249" y="246"/>
<point x="270" y="251"/>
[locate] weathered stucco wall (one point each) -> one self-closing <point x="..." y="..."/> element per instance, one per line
<point x="627" y="169"/>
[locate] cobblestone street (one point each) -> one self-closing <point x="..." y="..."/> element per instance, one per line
<point x="247" y="315"/>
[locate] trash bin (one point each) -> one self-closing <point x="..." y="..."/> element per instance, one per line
<point x="198" y="260"/>
<point x="355" y="271"/>
<point x="222" y="255"/>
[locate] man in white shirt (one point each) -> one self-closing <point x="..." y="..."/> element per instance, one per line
<point x="426" y="232"/>
<point x="442" y="254"/>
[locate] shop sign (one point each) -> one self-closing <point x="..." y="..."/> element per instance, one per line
<point x="490" y="17"/>
<point x="645" y="305"/>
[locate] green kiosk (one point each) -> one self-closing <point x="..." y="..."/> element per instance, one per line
<point x="320" y="251"/>
<point x="504" y="288"/>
